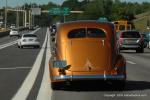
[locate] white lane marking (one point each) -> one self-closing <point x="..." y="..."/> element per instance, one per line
<point x="14" y="68"/>
<point x="28" y="83"/>
<point x="8" y="44"/>
<point x="32" y="32"/>
<point x="45" y="90"/>
<point x="14" y="42"/>
<point x="130" y="62"/>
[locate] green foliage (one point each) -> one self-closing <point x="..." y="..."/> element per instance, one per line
<point x="93" y="9"/>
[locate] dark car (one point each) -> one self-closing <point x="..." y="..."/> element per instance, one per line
<point x="131" y="40"/>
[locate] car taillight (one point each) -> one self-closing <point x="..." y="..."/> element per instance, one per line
<point x="24" y="40"/>
<point x="140" y="40"/>
<point x="121" y="41"/>
<point x="36" y="40"/>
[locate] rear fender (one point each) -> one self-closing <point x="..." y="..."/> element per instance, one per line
<point x="120" y="64"/>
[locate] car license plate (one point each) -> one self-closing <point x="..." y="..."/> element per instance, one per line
<point x="59" y="64"/>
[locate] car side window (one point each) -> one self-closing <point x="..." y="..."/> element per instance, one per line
<point x="77" y="33"/>
<point x="95" y="33"/>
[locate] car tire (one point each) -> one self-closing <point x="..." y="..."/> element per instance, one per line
<point x="119" y="84"/>
<point x="21" y="47"/>
<point x="55" y="85"/>
<point x="37" y="47"/>
<point x="148" y="44"/>
<point x="140" y="50"/>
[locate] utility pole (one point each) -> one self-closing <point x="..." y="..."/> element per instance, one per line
<point x="17" y="19"/>
<point x="6" y="15"/>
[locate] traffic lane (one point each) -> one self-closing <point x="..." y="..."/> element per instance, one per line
<point x="15" y="64"/>
<point x="137" y="85"/>
<point x="10" y="81"/>
<point x="139" y="64"/>
<point x="15" y="57"/>
<point x="8" y="39"/>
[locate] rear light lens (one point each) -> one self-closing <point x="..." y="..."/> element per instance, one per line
<point x="24" y="40"/>
<point x="140" y="40"/>
<point x="36" y="40"/>
<point x="121" y="41"/>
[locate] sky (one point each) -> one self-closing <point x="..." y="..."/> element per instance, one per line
<point x="14" y="3"/>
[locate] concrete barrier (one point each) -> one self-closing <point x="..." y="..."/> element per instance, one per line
<point x="4" y="33"/>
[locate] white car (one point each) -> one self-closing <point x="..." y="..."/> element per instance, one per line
<point x="28" y="40"/>
<point x="14" y="32"/>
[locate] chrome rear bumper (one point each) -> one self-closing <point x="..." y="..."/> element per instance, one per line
<point x="90" y="77"/>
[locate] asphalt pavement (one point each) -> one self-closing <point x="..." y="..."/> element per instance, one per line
<point x="24" y="75"/>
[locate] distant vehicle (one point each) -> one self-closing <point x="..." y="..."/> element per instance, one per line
<point x="86" y="50"/>
<point x="123" y="25"/>
<point x="32" y="27"/>
<point x="131" y="40"/>
<point x="14" y="32"/>
<point x="53" y="29"/>
<point x="148" y="39"/>
<point x="145" y="40"/>
<point x="28" y="40"/>
<point x="13" y="26"/>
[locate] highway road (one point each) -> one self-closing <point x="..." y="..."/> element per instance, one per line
<point x="24" y="75"/>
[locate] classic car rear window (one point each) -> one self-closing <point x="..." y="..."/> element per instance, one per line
<point x="95" y="33"/>
<point x="89" y="32"/>
<point x="77" y="33"/>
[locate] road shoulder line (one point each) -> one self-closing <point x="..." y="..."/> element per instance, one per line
<point x="28" y="83"/>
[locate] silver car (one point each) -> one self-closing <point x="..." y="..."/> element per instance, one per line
<point x="14" y="32"/>
<point x="28" y="40"/>
<point x="131" y="40"/>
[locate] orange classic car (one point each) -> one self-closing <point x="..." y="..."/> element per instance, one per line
<point x="86" y="50"/>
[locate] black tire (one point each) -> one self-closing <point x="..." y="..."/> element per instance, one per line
<point x="119" y="84"/>
<point x="37" y="47"/>
<point x="21" y="47"/>
<point x="140" y="50"/>
<point x="55" y="85"/>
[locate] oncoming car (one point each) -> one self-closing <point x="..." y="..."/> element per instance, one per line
<point x="86" y="50"/>
<point x="28" y="40"/>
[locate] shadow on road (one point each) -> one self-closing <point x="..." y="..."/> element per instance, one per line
<point x="137" y="85"/>
<point x="103" y="86"/>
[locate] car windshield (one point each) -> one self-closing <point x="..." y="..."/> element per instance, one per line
<point x="29" y="35"/>
<point x="131" y="35"/>
<point x="14" y="30"/>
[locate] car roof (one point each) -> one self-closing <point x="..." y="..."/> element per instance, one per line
<point x="64" y="28"/>
<point x="83" y="22"/>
